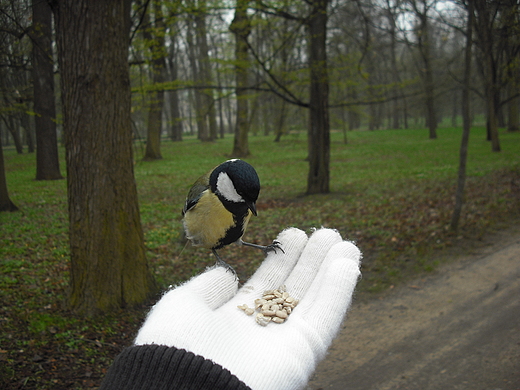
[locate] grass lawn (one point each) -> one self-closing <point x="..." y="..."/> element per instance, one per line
<point x="392" y="191"/>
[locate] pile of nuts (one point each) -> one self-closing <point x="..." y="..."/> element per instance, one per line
<point x="274" y="306"/>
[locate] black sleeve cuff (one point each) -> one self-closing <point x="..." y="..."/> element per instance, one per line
<point x="159" y="367"/>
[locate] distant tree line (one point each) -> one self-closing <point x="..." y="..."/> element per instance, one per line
<point x="391" y="64"/>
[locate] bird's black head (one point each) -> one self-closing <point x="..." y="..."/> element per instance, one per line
<point x="236" y="183"/>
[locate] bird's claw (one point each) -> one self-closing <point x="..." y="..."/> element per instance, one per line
<point x="273" y="247"/>
<point x="222" y="263"/>
<point x="265" y="248"/>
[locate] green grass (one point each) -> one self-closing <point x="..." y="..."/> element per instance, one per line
<point x="392" y="192"/>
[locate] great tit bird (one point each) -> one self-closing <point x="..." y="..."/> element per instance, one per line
<point x="219" y="206"/>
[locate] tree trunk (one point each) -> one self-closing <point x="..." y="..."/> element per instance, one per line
<point x="47" y="159"/>
<point x="222" y="127"/>
<point x="492" y="102"/>
<point x="200" y="111"/>
<point x="484" y="26"/>
<point x="513" y="66"/>
<point x="280" y="106"/>
<point x="208" y="103"/>
<point x="153" y="137"/>
<point x="280" y="120"/>
<point x="354" y="119"/>
<point x="431" y="118"/>
<point x="513" y="120"/>
<point x="108" y="265"/>
<point x="463" y="156"/>
<point x="220" y="96"/>
<point x="176" y="125"/>
<point x="12" y="126"/>
<point x="344" y="126"/>
<point x="25" y="121"/>
<point x="241" y="27"/>
<point x="319" y="127"/>
<point x="5" y="202"/>
<point x="154" y="35"/>
<point x="454" y="110"/>
<point x="425" y="66"/>
<point x="427" y="75"/>
<point x="395" y="71"/>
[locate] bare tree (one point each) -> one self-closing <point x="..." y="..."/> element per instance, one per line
<point x="513" y="123"/>
<point x="154" y="37"/>
<point x="108" y="265"/>
<point x="176" y="127"/>
<point x="512" y="38"/>
<point x="421" y="9"/>
<point x="47" y="160"/>
<point x="172" y="62"/>
<point x="485" y="13"/>
<point x="319" y="127"/>
<point x="461" y="181"/>
<point x="392" y="15"/>
<point x="241" y="27"/>
<point x="15" y="89"/>
<point x="204" y="66"/>
<point x="5" y="202"/>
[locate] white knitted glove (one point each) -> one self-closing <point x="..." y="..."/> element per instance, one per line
<point x="201" y="315"/>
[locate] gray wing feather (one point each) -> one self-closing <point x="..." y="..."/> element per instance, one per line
<point x="201" y="185"/>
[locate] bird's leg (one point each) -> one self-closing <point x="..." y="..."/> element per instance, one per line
<point x="222" y="263"/>
<point x="265" y="248"/>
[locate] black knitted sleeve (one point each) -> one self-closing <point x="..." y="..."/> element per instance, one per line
<point x="159" y="367"/>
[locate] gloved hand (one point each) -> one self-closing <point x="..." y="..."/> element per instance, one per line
<point x="201" y="315"/>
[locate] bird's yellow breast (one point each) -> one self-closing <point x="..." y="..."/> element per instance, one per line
<point x="208" y="221"/>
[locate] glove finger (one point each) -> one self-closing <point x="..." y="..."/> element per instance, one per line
<point x="310" y="261"/>
<point x="214" y="287"/>
<point x="198" y="297"/>
<point x="277" y="266"/>
<point x="324" y="305"/>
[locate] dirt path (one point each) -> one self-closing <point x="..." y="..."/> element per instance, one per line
<point x="456" y="329"/>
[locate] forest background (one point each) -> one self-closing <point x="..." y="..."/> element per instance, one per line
<point x="357" y="115"/>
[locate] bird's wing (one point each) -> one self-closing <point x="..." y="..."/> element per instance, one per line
<point x="201" y="185"/>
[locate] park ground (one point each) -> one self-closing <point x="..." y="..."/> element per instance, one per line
<point x="456" y="328"/>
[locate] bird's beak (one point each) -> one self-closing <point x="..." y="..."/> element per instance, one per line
<point x="252" y="206"/>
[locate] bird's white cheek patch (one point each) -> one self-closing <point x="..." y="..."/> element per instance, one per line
<point x="226" y="188"/>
